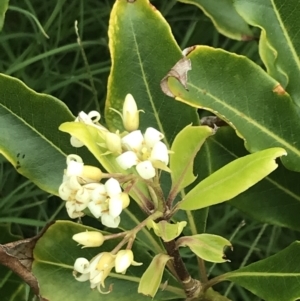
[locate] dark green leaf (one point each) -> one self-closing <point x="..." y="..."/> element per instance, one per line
<point x="29" y="135"/>
<point x="273" y="279"/>
<point x="279" y="45"/>
<point x="225" y="18"/>
<point x="261" y="115"/>
<point x="142" y="51"/>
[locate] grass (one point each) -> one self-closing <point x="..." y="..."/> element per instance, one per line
<point x="55" y="65"/>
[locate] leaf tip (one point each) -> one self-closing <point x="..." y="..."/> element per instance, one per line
<point x="278" y="89"/>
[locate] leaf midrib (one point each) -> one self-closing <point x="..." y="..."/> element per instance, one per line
<point x="33" y="129"/>
<point x="248" y="119"/>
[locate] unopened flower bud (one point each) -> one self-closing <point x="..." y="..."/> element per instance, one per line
<point x="89" y="239"/>
<point x="113" y="143"/>
<point x="125" y="200"/>
<point x="130" y="114"/>
<point x="92" y="173"/>
<point x="124" y="259"/>
<point x="106" y="261"/>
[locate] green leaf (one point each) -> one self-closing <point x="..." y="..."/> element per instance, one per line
<point x="261" y="116"/>
<point x="186" y="145"/>
<point x="29" y="136"/>
<point x="142" y="51"/>
<point x="152" y="277"/>
<point x="274" y="200"/>
<point x="232" y="179"/>
<point x="281" y="51"/>
<point x="91" y="138"/>
<point x="206" y="246"/>
<point x="225" y="18"/>
<point x="55" y="254"/>
<point x="3" y="9"/>
<point x="273" y="279"/>
<point x="165" y="230"/>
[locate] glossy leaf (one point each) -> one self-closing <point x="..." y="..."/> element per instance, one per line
<point x="274" y="200"/>
<point x="273" y="279"/>
<point x="232" y="179"/>
<point x="225" y="18"/>
<point x="142" y="51"/>
<point x="280" y="47"/>
<point x="206" y="246"/>
<point x="185" y="147"/>
<point x="261" y="115"/>
<point x="29" y="136"/>
<point x="3" y="9"/>
<point x="92" y="139"/>
<point x="55" y="254"/>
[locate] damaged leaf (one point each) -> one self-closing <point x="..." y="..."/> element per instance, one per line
<point x="179" y="71"/>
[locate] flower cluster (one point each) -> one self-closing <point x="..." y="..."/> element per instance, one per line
<point x="97" y="270"/>
<point x="81" y="189"/>
<point x="146" y="152"/>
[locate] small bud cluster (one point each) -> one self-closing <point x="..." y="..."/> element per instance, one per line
<point x="97" y="270"/>
<point x="81" y="189"/>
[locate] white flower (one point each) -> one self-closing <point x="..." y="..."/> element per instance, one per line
<point x="96" y="271"/>
<point x="145" y="152"/>
<point x="107" y="202"/>
<point x="74" y="189"/>
<point x="123" y="260"/>
<point x="91" y="119"/>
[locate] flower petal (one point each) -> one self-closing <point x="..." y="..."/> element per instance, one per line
<point x="123" y="260"/>
<point x="74" y="168"/>
<point x="64" y="191"/>
<point x="133" y="141"/>
<point x="160" y="153"/>
<point x="95" y="209"/>
<point x="115" y="206"/>
<point x="146" y="170"/>
<point x="81" y="265"/>
<point x="127" y="160"/>
<point x="109" y="221"/>
<point x="112" y="187"/>
<point x="99" y="194"/>
<point x="152" y="136"/>
<point x="71" y="209"/>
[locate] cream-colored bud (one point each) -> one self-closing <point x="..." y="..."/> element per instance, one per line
<point x="124" y="259"/>
<point x="125" y="200"/>
<point x="130" y="114"/>
<point x="92" y="173"/>
<point x="89" y="239"/>
<point x="107" y="261"/>
<point x="113" y="143"/>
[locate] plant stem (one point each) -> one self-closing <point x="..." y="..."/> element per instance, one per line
<point x="191" y="286"/>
